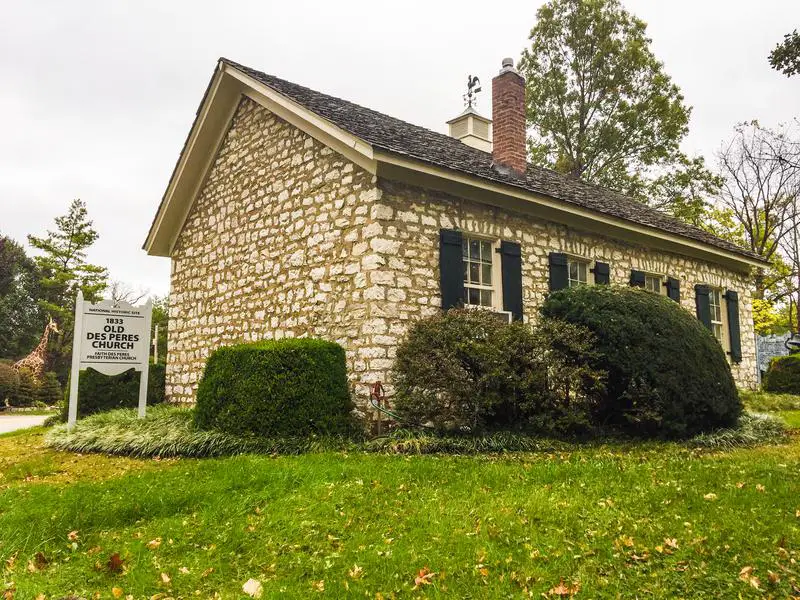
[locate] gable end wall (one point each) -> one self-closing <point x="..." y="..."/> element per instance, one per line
<point x="278" y="244"/>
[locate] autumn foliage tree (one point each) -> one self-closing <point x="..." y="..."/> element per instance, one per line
<point x="760" y="168"/>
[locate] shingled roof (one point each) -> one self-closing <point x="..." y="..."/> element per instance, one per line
<point x="399" y="137"/>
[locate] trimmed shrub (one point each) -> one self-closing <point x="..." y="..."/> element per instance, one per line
<point x="27" y="390"/>
<point x="9" y="383"/>
<point x="783" y="375"/>
<point x="667" y="374"/>
<point x="448" y="370"/>
<point x="291" y="387"/>
<point x="99" y="393"/>
<point x="467" y="370"/>
<point x="49" y="392"/>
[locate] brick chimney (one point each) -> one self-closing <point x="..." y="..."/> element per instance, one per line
<point x="508" y="119"/>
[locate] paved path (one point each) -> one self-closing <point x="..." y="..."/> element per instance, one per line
<point x="14" y="422"/>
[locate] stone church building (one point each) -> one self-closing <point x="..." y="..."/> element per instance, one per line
<point x="294" y="213"/>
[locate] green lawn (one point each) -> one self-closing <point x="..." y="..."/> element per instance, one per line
<point x="656" y="520"/>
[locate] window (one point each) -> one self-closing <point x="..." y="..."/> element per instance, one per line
<point x="715" y="301"/>
<point x="652" y="283"/>
<point x="577" y="271"/>
<point x="479" y="259"/>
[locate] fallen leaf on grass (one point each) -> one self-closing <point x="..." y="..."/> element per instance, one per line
<point x="741" y="484"/>
<point x="115" y="564"/>
<point x="423" y="577"/>
<point x="183" y="571"/>
<point x="356" y="572"/>
<point x="319" y="585"/>
<point x="253" y="588"/>
<point x="207" y="572"/>
<point x="165" y="578"/>
<point x="72" y="536"/>
<point x="760" y="488"/>
<point x="773" y="577"/>
<point x="711" y="496"/>
<point x="153" y="544"/>
<point x="38" y="563"/>
<point x="746" y="575"/>
<point x="623" y="541"/>
<point x="564" y="590"/>
<point x="116" y="592"/>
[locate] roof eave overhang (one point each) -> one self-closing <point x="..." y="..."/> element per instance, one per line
<point x="228" y="85"/>
<point x="398" y="167"/>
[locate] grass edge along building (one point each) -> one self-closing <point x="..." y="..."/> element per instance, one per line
<point x="294" y="213"/>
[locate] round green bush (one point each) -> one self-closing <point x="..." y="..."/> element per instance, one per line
<point x="9" y="383"/>
<point x="449" y="370"/>
<point x="49" y="392"/>
<point x="27" y="390"/>
<point x="667" y="374"/>
<point x="468" y="370"/>
<point x="282" y="388"/>
<point x="783" y="375"/>
<point x="99" y="393"/>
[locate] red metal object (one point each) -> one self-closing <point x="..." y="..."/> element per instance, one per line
<point x="377" y="397"/>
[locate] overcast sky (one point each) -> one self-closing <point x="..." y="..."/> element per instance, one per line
<point x="96" y="98"/>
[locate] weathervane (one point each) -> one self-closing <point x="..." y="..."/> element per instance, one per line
<point x="473" y="87"/>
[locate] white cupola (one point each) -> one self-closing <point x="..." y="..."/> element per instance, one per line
<point x="473" y="129"/>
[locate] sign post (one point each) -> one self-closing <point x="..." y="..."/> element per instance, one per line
<point x="111" y="338"/>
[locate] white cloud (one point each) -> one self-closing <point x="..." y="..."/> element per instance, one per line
<point x="97" y="97"/>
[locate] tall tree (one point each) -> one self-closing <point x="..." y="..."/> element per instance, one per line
<point x="760" y="168"/>
<point x="785" y="57"/>
<point x="602" y="109"/>
<point x="160" y="319"/>
<point x="21" y="317"/>
<point x="64" y="270"/>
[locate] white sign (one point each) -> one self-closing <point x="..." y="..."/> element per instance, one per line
<point x="110" y="338"/>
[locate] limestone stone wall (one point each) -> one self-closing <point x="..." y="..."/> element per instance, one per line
<point x="276" y="245"/>
<point x="287" y="238"/>
<point x="414" y="217"/>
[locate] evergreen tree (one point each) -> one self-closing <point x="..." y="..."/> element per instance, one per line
<point x="21" y="317"/>
<point x="64" y="271"/>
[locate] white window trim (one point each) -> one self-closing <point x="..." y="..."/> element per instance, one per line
<point x="662" y="288"/>
<point x="723" y="317"/>
<point x="589" y="262"/>
<point x="497" y="276"/>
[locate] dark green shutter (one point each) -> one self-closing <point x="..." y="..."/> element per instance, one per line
<point x="734" y="335"/>
<point x="703" y="303"/>
<point x="511" y="266"/>
<point x="674" y="289"/>
<point x="602" y="273"/>
<point x="451" y="268"/>
<point x="559" y="271"/>
<point x="637" y="278"/>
